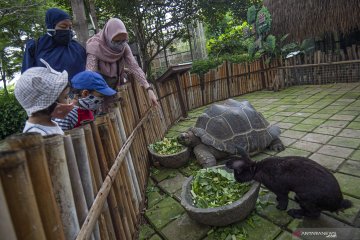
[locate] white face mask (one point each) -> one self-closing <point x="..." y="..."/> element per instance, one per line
<point x="91" y="102"/>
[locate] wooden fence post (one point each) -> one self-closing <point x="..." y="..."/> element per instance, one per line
<point x="7" y="230"/>
<point x="181" y="99"/>
<point x="33" y="144"/>
<point x="20" y="196"/>
<point x="227" y="79"/>
<point x="59" y="173"/>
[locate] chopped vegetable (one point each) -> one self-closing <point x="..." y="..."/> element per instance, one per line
<point x="167" y="146"/>
<point x="216" y="187"/>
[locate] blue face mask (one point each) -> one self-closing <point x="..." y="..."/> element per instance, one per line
<point x="62" y="37"/>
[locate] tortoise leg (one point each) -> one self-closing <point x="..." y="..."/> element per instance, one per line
<point x="204" y="156"/>
<point x="277" y="145"/>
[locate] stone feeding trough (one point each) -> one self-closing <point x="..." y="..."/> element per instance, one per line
<point x="175" y="160"/>
<point x="169" y="153"/>
<point x="223" y="215"/>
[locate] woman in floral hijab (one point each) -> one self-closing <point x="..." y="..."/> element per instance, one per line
<point x="108" y="53"/>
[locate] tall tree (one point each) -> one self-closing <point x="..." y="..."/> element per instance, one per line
<point x="19" y="21"/>
<point x="154" y="25"/>
<point x="215" y="13"/>
<point x="79" y="21"/>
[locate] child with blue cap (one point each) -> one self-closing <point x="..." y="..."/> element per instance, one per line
<point x="42" y="92"/>
<point x="91" y="88"/>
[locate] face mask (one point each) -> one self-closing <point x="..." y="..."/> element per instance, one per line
<point x="91" y="102"/>
<point x="63" y="37"/>
<point x="117" y="46"/>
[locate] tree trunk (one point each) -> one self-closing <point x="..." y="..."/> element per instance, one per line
<point x="93" y="14"/>
<point x="3" y="78"/>
<point x="141" y="45"/>
<point x="79" y="21"/>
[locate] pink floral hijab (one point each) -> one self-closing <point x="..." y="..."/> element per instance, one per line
<point x="99" y="46"/>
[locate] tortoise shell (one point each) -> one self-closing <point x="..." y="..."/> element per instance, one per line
<point x="235" y="127"/>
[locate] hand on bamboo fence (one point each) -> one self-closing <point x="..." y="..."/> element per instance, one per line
<point x="153" y="98"/>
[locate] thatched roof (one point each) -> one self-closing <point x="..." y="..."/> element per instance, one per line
<point x="310" y="18"/>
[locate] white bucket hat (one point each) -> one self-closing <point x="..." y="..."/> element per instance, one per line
<point x="39" y="87"/>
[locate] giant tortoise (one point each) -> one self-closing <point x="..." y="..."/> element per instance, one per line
<point x="231" y="128"/>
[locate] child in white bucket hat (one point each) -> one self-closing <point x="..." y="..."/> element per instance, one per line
<point x="43" y="93"/>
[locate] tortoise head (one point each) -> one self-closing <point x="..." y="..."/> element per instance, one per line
<point x="188" y="139"/>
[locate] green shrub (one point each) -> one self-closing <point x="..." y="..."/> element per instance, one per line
<point x="12" y="115"/>
<point x="204" y="65"/>
<point x="230" y="42"/>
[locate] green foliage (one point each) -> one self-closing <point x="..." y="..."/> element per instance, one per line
<point x="215" y="13"/>
<point x="263" y="21"/>
<point x="13" y="116"/>
<point x="155" y="25"/>
<point x="307" y="45"/>
<point x="270" y="43"/>
<point x="19" y="21"/>
<point x="277" y="48"/>
<point x="252" y="49"/>
<point x="203" y="66"/>
<point x="251" y="14"/>
<point x="238" y="58"/>
<point x="167" y="146"/>
<point x="234" y="231"/>
<point x="216" y="187"/>
<point x="230" y="42"/>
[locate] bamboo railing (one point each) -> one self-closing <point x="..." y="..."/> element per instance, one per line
<point x="227" y="80"/>
<point x="234" y="79"/>
<point x="88" y="184"/>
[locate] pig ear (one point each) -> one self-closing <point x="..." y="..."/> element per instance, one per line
<point x="235" y="163"/>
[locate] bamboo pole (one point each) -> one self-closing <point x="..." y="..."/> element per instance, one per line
<point x="115" y="130"/>
<point x="33" y="145"/>
<point x="106" y="227"/>
<point x="119" y="186"/>
<point x="7" y="230"/>
<point x="75" y="179"/>
<point x="95" y="210"/>
<point x="19" y="195"/>
<point x="82" y="159"/>
<point x="118" y="226"/>
<point x="59" y="173"/>
<point x="120" y="122"/>
<point x="137" y="176"/>
<point x="114" y="127"/>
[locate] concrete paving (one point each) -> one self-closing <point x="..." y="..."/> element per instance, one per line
<point x="319" y="122"/>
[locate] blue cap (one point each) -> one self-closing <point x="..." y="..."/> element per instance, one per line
<point x="90" y="80"/>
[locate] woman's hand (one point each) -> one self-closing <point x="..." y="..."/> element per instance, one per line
<point x="153" y="98"/>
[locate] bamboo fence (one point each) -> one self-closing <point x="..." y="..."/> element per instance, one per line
<point x="234" y="79"/>
<point x="90" y="183"/>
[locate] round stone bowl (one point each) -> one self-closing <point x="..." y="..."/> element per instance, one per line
<point x="223" y="215"/>
<point x="175" y="160"/>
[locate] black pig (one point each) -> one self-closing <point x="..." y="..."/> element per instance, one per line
<point x="315" y="187"/>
